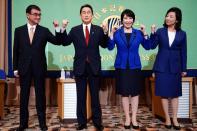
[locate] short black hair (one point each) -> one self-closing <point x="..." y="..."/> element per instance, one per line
<point x="86" y="5"/>
<point x="30" y="7"/>
<point x="128" y="13"/>
<point x="178" y="15"/>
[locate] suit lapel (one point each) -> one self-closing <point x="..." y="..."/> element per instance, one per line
<point x="26" y="35"/>
<point x="123" y="37"/>
<point x="175" y="38"/>
<point x="36" y="34"/>
<point x="133" y="36"/>
<point x="166" y="32"/>
<point x="92" y="32"/>
<point x="81" y="34"/>
<point x="166" y="37"/>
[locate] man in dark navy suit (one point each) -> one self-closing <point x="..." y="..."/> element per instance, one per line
<point x="86" y="39"/>
<point x="29" y="62"/>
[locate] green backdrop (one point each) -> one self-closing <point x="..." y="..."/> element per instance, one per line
<point x="147" y="12"/>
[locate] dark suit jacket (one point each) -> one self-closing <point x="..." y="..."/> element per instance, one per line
<point x="25" y="54"/>
<point x="174" y="58"/>
<point x="128" y="51"/>
<point x="97" y="37"/>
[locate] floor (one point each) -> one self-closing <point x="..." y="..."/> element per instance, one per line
<point x="113" y="118"/>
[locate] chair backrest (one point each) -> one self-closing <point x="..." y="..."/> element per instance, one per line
<point x="2" y="74"/>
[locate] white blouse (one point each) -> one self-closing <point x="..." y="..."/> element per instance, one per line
<point x="171" y="36"/>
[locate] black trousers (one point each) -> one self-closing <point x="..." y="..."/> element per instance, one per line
<point x="39" y="84"/>
<point x="81" y="83"/>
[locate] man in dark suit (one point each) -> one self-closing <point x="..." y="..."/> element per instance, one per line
<point x="29" y="62"/>
<point x="86" y="39"/>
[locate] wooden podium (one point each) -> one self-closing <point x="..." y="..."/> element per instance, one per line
<point x="185" y="101"/>
<point x="2" y="86"/>
<point x="67" y="100"/>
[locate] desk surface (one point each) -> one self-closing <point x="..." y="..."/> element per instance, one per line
<point x="184" y="79"/>
<point x="2" y="81"/>
<point x="67" y="80"/>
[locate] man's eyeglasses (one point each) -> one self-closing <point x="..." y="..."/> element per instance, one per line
<point x="36" y="14"/>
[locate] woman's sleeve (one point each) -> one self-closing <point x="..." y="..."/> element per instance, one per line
<point x="111" y="43"/>
<point x="184" y="53"/>
<point x="154" y="39"/>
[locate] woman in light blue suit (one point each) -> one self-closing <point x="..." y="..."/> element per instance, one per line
<point x="170" y="63"/>
<point x="127" y="63"/>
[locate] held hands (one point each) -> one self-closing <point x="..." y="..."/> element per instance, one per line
<point x="114" y="28"/>
<point x="153" y="28"/>
<point x="105" y="28"/>
<point x="64" y="23"/>
<point x="142" y="28"/>
<point x="56" y="23"/>
<point x="60" y="29"/>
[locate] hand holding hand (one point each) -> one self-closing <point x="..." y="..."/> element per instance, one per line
<point x="114" y="28"/>
<point x="153" y="28"/>
<point x="105" y="28"/>
<point x="64" y="23"/>
<point x="142" y="28"/>
<point x="55" y="23"/>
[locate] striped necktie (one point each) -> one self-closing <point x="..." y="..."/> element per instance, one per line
<point x="31" y="34"/>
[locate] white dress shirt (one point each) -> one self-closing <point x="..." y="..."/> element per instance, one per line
<point x="84" y="28"/>
<point x="30" y="26"/>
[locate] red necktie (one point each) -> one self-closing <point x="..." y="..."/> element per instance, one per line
<point x="87" y="35"/>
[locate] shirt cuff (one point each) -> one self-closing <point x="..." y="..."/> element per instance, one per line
<point x="62" y="30"/>
<point x="16" y="72"/>
<point x="57" y="29"/>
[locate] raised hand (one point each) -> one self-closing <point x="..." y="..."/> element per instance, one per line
<point x="142" y="28"/>
<point x="105" y="28"/>
<point x="55" y="23"/>
<point x="153" y="28"/>
<point x="115" y="27"/>
<point x="64" y="23"/>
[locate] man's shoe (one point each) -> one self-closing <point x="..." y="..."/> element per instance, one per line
<point x="81" y="126"/>
<point x="168" y="126"/>
<point x="99" y="127"/>
<point x="21" y="128"/>
<point x="44" y="129"/>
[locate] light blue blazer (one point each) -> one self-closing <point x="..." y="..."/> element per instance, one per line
<point x="128" y="53"/>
